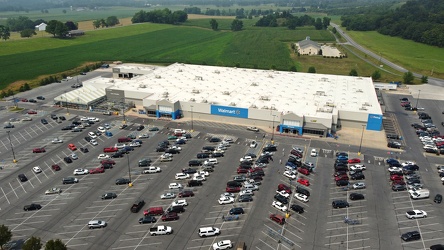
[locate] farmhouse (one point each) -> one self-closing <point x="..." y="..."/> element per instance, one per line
<point x="291" y="102"/>
<point x="308" y="47"/>
<point x="41" y="27"/>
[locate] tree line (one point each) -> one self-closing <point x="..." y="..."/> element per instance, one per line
<point x="160" y="16"/>
<point x="420" y="21"/>
<point x="286" y="19"/>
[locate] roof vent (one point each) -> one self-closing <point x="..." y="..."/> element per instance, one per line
<point x="270" y="76"/>
<point x="359" y="91"/>
<point x="253" y="106"/>
<point x="200" y="78"/>
<point x="180" y="70"/>
<point x="165" y="94"/>
<point x="366" y="104"/>
<point x="273" y="108"/>
<point x="363" y="108"/>
<point x="112" y="80"/>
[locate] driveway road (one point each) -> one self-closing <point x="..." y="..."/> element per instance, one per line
<point x="432" y="80"/>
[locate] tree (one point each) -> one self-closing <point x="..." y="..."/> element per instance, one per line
<point x="71" y="25"/>
<point x="334" y="30"/>
<point x="376" y="75"/>
<point x="353" y="72"/>
<point x="408" y="77"/>
<point x="27" y="33"/>
<point x="112" y="21"/>
<point x="61" y="30"/>
<point x="96" y="24"/>
<point x="318" y="24"/>
<point x="4" y="32"/>
<point x="424" y="79"/>
<point x="33" y="243"/>
<point x="312" y="70"/>
<point x="51" y="27"/>
<point x="5" y="233"/>
<point x="293" y="69"/>
<point x="237" y="25"/>
<point x="26" y="86"/>
<point x="214" y="24"/>
<point x="55" y="245"/>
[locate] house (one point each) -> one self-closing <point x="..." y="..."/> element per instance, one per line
<point x="41" y="27"/>
<point x="308" y="47"/>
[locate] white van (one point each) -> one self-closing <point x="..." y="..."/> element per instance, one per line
<point x="420" y="194"/>
<point x="208" y="231"/>
<point x="210" y="162"/>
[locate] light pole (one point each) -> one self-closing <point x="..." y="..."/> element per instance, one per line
<point x="287" y="215"/>
<point x="130" y="184"/>
<point x="12" y="148"/>
<point x="272" y="132"/>
<point x="66" y="98"/>
<point x="192" y="127"/>
<point x="417" y="100"/>
<point x="362" y="136"/>
<point x="123" y="110"/>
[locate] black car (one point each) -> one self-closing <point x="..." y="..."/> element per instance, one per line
<point x="413" y="181"/>
<point x="303" y="191"/>
<point x="236" y="210"/>
<point x="140" y="128"/>
<point x="181" y="141"/>
<point x="437" y="246"/>
<point x="172" y="151"/>
<point x="269" y="148"/>
<point x="342" y="183"/>
<point x="32" y="207"/>
<point x="144" y="162"/>
<point x="87" y="138"/>
<point x="340" y="204"/>
<point x="411" y="167"/>
<point x="203" y="155"/>
<point x="32" y="100"/>
<point x="245" y="198"/>
<point x="84" y="150"/>
<point x="161" y="149"/>
<point x="67" y="159"/>
<point x="54" y="117"/>
<point x="40" y="98"/>
<point x="67" y="128"/>
<point x="356" y="196"/>
<point x="217" y="155"/>
<point x="409" y="236"/>
<point x="263" y="160"/>
<point x="44" y="121"/>
<point x="194" y="163"/>
<point x="69" y="180"/>
<point x="215" y="139"/>
<point x="399" y="187"/>
<point x="107" y="166"/>
<point x="147" y="219"/>
<point x="109" y="196"/>
<point x="256" y="174"/>
<point x="281" y="199"/>
<point x="393" y="144"/>
<point x="62" y="118"/>
<point x="341" y="153"/>
<point x="176" y="209"/>
<point x="438" y="198"/>
<point x="357" y="176"/>
<point x="234" y="184"/>
<point x="122" y="181"/>
<point x="22" y="177"/>
<point x="117" y="155"/>
<point x="194" y="183"/>
<point x="298" y="209"/>
<point x="189" y="171"/>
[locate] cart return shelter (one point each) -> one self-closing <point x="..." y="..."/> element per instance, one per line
<point x="289" y="102"/>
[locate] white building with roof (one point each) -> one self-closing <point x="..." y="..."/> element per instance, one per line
<point x="291" y="101"/>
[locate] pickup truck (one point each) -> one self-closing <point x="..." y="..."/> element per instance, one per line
<point x="253" y="129"/>
<point x="160" y="230"/>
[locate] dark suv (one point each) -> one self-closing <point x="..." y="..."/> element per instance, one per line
<point x="357" y="176"/>
<point x="236" y="210"/>
<point x="281" y="199"/>
<point x="413" y="235"/>
<point x="340" y="204"/>
<point x="22" y="177"/>
<point x="302" y="190"/>
<point x="298" y="209"/>
<point x="176" y="209"/>
<point x="194" y="183"/>
<point x="194" y="163"/>
<point x="356" y="196"/>
<point x="70" y="180"/>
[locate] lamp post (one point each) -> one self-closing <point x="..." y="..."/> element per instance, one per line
<point x="67" y="110"/>
<point x="287" y="214"/>
<point x="417" y="100"/>
<point x="12" y="148"/>
<point x="192" y="127"/>
<point x="272" y="132"/>
<point x="123" y="110"/>
<point x="362" y="136"/>
<point x="130" y="184"/>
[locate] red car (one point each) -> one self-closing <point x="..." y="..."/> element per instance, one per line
<point x="242" y="170"/>
<point x="233" y="189"/>
<point x="354" y="160"/>
<point x="252" y="170"/>
<point x="107" y="161"/>
<point x="186" y="193"/>
<point x="404" y="104"/>
<point x="24" y="100"/>
<point x="55" y="167"/>
<point x="97" y="170"/>
<point x="110" y="150"/>
<point x="396" y="177"/>
<point x="400" y="182"/>
<point x="170" y="216"/>
<point x="303" y="171"/>
<point x="32" y="112"/>
<point x="341" y="177"/>
<point x="284" y="187"/>
<point x="72" y="147"/>
<point x="304" y="182"/>
<point x="39" y="150"/>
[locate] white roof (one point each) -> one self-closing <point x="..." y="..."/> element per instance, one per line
<point x="301" y="93"/>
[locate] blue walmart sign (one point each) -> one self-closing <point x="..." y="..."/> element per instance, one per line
<point x="229" y="111"/>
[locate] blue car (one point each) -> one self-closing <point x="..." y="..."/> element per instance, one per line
<point x="342" y="157"/>
<point x="392" y="161"/>
<point x="291" y="164"/>
<point x="108" y="133"/>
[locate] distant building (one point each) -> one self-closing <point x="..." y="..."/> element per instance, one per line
<point x="308" y="47"/>
<point x="72" y="33"/>
<point x="41" y="27"/>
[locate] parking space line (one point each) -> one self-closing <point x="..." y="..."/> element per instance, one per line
<point x="22" y="136"/>
<point x="36" y="177"/>
<point x="140" y="245"/>
<point x="17" y="225"/>
<point x="346" y="214"/>
<point x="288" y="231"/>
<point x="354" y="226"/>
<point x="346" y="234"/>
<point x="13" y="190"/>
<point x="113" y="210"/>
<point x="342" y="242"/>
<point x="363" y="247"/>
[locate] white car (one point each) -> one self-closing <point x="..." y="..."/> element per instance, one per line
<point x="175" y="185"/>
<point x="407" y="163"/>
<point x="166" y="155"/>
<point x="283" y="193"/>
<point x="415" y="214"/>
<point x="430" y="147"/>
<point x="53" y="191"/>
<point x="80" y="171"/>
<point x="199" y="178"/>
<point x="93" y="142"/>
<point x="175" y="147"/>
<point x="279" y="206"/>
<point x="394" y="169"/>
<point x="253" y="129"/>
<point x="225" y="200"/>
<point x="253" y="144"/>
<point x="83" y="118"/>
<point x="358" y="167"/>
<point x="37" y="170"/>
<point x="74" y="156"/>
<point x="290" y="174"/>
<point x="27" y="118"/>
<point x="151" y="170"/>
<point x="228" y="195"/>
<point x="168" y="196"/>
<point x="181" y="202"/>
<point x="202" y="173"/>
<point x="359" y="185"/>
<point x="107" y="126"/>
<point x="103" y="156"/>
<point x="181" y="176"/>
<point x="417" y="186"/>
<point x="142" y="136"/>
<point x="251" y="187"/>
<point x="301" y="197"/>
<point x="223" y="244"/>
<point x="57" y="140"/>
<point x="92" y="135"/>
<point x="313" y="153"/>
<point x="119" y="145"/>
<point x="101" y="129"/>
<point x="246" y="158"/>
<point x="246" y="192"/>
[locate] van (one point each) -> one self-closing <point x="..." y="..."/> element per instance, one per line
<point x="241" y="246"/>
<point x="208" y="231"/>
<point x="211" y="161"/>
<point x="420" y="194"/>
<point x="123" y="139"/>
<point x="154" y="211"/>
<point x="278" y="218"/>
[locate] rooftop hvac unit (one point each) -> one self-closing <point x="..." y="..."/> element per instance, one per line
<point x="200" y="78"/>
<point x="165" y="94"/>
<point x="270" y="76"/>
<point x="330" y="104"/>
<point x="254" y="84"/>
<point x="217" y="71"/>
<point x="323" y="79"/>
<point x="226" y="92"/>
<point x="321" y="93"/>
<point x="232" y="104"/>
<point x="273" y="108"/>
<point x="195" y="91"/>
<point x="363" y="108"/>
<point x="158" y="77"/>
<point x="204" y="101"/>
<point x="359" y="91"/>
<point x="366" y="104"/>
<point x="112" y="80"/>
<point x="142" y="86"/>
<point x="180" y="70"/>
<point x="192" y="100"/>
<point x="265" y="107"/>
<point x="264" y="98"/>
<point x="253" y="106"/>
